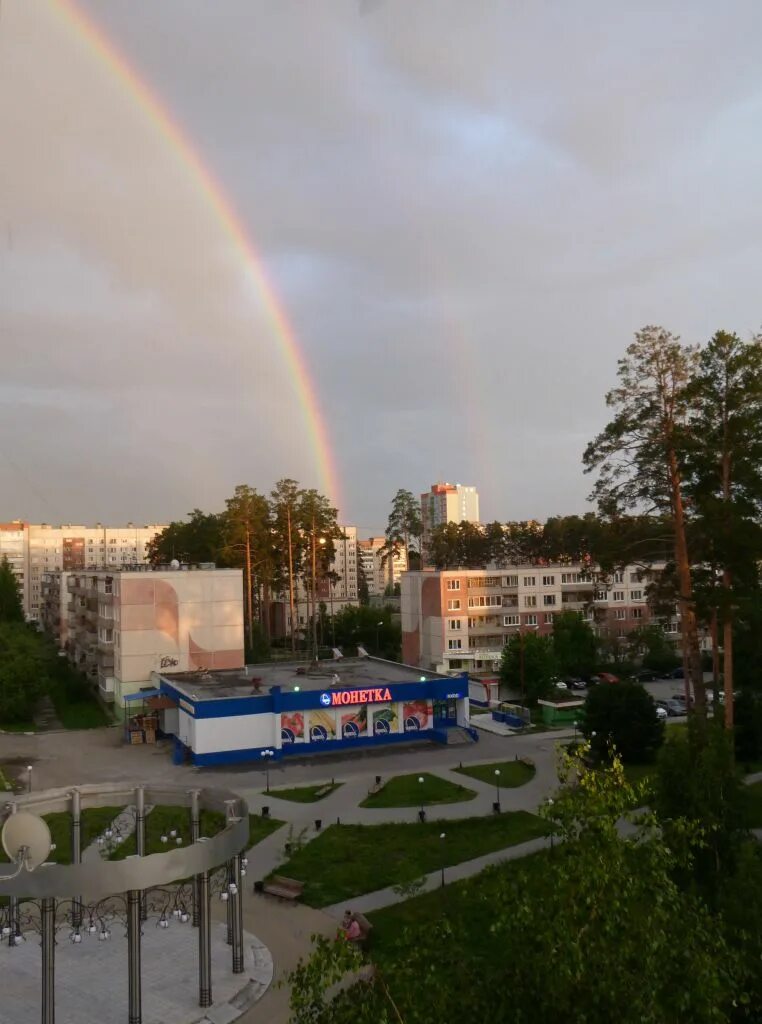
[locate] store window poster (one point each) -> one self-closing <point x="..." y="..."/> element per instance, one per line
<point x="385" y="719"/>
<point x="292" y="727"/>
<point x="355" y="723"/>
<point x="322" y="726"/>
<point x="417" y="715"/>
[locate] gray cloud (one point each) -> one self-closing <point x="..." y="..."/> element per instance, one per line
<point x="467" y="208"/>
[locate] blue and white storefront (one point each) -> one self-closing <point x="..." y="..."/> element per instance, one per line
<point x="212" y="730"/>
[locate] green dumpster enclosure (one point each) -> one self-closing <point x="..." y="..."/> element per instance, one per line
<point x="560" y="712"/>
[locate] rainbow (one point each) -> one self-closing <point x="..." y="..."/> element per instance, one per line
<point x="213" y="193"/>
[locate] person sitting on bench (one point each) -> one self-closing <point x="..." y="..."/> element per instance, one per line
<point x="351" y="927"/>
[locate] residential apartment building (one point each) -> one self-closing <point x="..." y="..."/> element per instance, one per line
<point x="68" y="548"/>
<point x="54" y="606"/>
<point x="13" y="546"/>
<point x="447" y="503"/>
<point x="380" y="574"/>
<point x="124" y="625"/>
<point x="462" y="618"/>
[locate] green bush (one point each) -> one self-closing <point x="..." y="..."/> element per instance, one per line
<point x="622" y="715"/>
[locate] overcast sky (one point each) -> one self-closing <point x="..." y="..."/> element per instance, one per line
<point x="467" y="207"/>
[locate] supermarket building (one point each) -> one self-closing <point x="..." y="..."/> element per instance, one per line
<point x="287" y="709"/>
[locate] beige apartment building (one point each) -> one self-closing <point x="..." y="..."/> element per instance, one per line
<point x="124" y="625"/>
<point x="447" y="503"/>
<point x="380" y="574"/>
<point x="461" y="618"/>
<point x="39" y="548"/>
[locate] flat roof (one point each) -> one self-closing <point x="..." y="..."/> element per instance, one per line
<point x="352" y="673"/>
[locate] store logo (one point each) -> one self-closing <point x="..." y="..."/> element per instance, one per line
<point x="325" y="699"/>
<point x="377" y="696"/>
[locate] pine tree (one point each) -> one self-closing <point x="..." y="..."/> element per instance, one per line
<point x="11" y="608"/>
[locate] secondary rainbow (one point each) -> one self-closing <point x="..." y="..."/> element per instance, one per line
<point x="212" y="191"/>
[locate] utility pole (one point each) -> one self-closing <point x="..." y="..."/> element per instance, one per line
<point x="292" y="609"/>
<point x="249" y="610"/>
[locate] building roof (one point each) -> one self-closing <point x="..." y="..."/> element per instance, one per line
<point x="351" y="673"/>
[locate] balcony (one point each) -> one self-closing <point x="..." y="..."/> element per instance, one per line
<point x="105" y="646"/>
<point x="485" y="627"/>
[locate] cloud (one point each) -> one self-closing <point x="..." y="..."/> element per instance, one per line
<point x="467" y="209"/>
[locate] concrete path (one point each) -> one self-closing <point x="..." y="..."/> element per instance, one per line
<point x="387" y="897"/>
<point x="123" y="826"/>
<point x="45" y="716"/>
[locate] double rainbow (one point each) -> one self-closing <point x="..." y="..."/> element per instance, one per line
<point x="212" y="192"/>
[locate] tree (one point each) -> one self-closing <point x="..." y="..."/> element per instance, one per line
<point x="528" y="666"/>
<point x="198" y="540"/>
<point x="595" y="931"/>
<point x="285" y="501"/>
<point x="622" y="716"/>
<point x="639" y="456"/>
<point x="23" y="671"/>
<point x="247" y="541"/>
<point x="317" y="520"/>
<point x="574" y="644"/>
<point x="724" y="472"/>
<point x="697" y="781"/>
<point x="655" y="650"/>
<point x="11" y="608"/>
<point x="403" y="526"/>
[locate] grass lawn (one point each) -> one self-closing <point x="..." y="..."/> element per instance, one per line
<point x="93" y="822"/>
<point x="162" y="820"/>
<point x="304" y="794"/>
<point x="635" y="773"/>
<point x="86" y="714"/>
<point x="17" y="726"/>
<point x="754" y="805"/>
<point x="512" y="773"/>
<point x="349" y="860"/>
<point x="407" y="791"/>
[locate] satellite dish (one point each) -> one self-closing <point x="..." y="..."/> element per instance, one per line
<point x="174" y="564"/>
<point x="27" y="830"/>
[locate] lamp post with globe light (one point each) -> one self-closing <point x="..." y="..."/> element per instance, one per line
<point x="422" y="812"/>
<point x="497" y="789"/>
<point x="267" y="755"/>
<point x="443" y="836"/>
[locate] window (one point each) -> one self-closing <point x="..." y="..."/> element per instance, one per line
<point x="618" y="577"/>
<point x="620" y="613"/>
<point x="570" y="577"/>
<point x="622" y="633"/>
<point x="529" y="581"/>
<point x="511" y="620"/>
<point x="531" y="620"/>
<point x="636" y="595"/>
<point x="637" y="613"/>
<point x="453" y="584"/>
<point x="511" y="581"/>
<point x="484" y="581"/>
<point x="549" y="581"/>
<point x="548" y="599"/>
<point x="549" y="616"/>
<point x="636" y="577"/>
<point x="455" y="645"/>
<point x="485" y="602"/>
<point x="618" y="595"/>
<point x="601" y="595"/>
<point x="453" y="605"/>
<point x="530" y="601"/>
<point x="454" y="624"/>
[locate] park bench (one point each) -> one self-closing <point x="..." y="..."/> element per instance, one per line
<point x="375" y="788"/>
<point x="284" y="888"/>
<point x="324" y="790"/>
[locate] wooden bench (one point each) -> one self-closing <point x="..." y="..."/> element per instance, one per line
<point x="324" y="790"/>
<point x="375" y="789"/>
<point x="284" y="888"/>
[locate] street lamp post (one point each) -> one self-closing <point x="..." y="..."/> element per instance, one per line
<point x="378" y="627"/>
<point x="575" y="730"/>
<point x="497" y="788"/>
<point x="29" y="778"/>
<point x="267" y="754"/>
<point x="422" y="812"/>
<point x="442" y="836"/>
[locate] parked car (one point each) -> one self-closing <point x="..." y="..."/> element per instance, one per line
<point x="573" y="683"/>
<point x="674" y="708"/>
<point x="676" y="673"/>
<point x="561" y="685"/>
<point x="645" y="675"/>
<point x="604" y="677"/>
<point x="661" y="713"/>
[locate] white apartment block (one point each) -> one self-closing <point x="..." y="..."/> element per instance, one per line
<point x="448" y="503"/>
<point x="127" y="624"/>
<point x="379" y="574"/>
<point x="13" y="546"/>
<point x="460" y="619"/>
<point x="334" y="594"/>
<point x="68" y="548"/>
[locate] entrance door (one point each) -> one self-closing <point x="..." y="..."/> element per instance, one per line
<point x="445" y="712"/>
